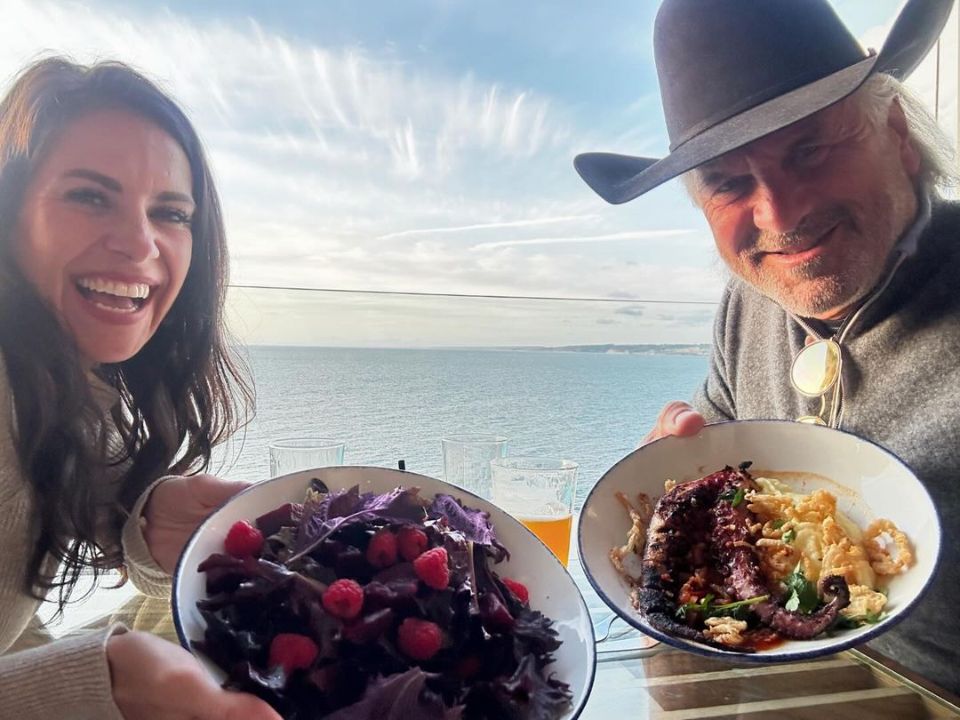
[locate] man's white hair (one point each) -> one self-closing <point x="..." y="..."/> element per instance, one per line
<point x="938" y="169"/>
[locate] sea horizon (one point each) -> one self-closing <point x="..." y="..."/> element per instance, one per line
<point x="392" y="404"/>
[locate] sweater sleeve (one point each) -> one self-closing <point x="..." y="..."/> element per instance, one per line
<point x="144" y="572"/>
<point x="69" y="678"/>
<point x="714" y="400"/>
<point x="17" y="532"/>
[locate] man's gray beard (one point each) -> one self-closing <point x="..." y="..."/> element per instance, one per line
<point x="826" y="294"/>
<point x="829" y="291"/>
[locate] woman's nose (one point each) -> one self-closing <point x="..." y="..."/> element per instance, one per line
<point x="136" y="239"/>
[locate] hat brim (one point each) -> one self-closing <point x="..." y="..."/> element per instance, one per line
<point x="621" y="178"/>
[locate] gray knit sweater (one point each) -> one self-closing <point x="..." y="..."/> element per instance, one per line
<point x="901" y="383"/>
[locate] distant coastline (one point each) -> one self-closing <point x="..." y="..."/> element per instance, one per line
<point x="692" y="349"/>
<point x="699" y="349"/>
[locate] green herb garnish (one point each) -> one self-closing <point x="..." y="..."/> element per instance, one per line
<point x="801" y="593"/>
<point x="735" y="498"/>
<point x="703" y="606"/>
<point x="778" y="523"/>
<point x="789" y="536"/>
<point x="706" y="607"/>
<point x="851" y="623"/>
<point x="737" y="610"/>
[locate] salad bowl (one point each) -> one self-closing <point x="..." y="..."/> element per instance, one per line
<point x="551" y="589"/>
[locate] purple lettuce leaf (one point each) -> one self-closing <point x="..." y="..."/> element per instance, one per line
<point x="534" y="633"/>
<point x="474" y="525"/>
<point x="527" y="695"/>
<point x="338" y="509"/>
<point x="398" y="697"/>
<point x="315" y="513"/>
<point x="247" y="677"/>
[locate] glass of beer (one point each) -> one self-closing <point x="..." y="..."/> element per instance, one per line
<point x="539" y="492"/>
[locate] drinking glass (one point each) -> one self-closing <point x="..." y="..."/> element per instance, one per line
<point x="292" y="454"/>
<point x="539" y="492"/>
<point x="466" y="460"/>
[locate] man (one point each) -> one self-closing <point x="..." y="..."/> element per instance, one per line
<point x="818" y="177"/>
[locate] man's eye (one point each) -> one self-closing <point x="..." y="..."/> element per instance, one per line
<point x="731" y="187"/>
<point x="88" y="196"/>
<point x="809" y="155"/>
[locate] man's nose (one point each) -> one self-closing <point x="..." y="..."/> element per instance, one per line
<point x="780" y="205"/>
<point x="136" y="239"/>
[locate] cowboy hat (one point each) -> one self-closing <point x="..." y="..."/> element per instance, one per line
<point x="732" y="71"/>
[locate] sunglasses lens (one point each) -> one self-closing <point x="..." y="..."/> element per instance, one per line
<point x="816" y="368"/>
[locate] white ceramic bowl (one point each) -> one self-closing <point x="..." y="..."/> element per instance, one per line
<point x="552" y="590"/>
<point x="869" y="482"/>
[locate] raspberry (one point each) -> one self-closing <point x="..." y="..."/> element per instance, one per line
<point x="419" y="639"/>
<point x="518" y="589"/>
<point x="343" y="599"/>
<point x="243" y="539"/>
<point x="293" y="651"/>
<point x="412" y="542"/>
<point x="468" y="667"/>
<point x="494" y="614"/>
<point x="382" y="550"/>
<point x="432" y="568"/>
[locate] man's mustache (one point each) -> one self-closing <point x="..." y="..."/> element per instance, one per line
<point x="810" y="229"/>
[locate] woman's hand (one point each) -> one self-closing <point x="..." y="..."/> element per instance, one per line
<point x="176" y="507"/>
<point x="676" y="418"/>
<point x="153" y="679"/>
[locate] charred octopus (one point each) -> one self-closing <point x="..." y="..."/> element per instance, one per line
<point x="701" y="539"/>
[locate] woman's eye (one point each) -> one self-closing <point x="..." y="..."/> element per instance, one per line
<point x="88" y="196"/>
<point x="173" y="215"/>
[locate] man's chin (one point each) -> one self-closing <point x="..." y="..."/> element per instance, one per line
<point x="822" y="299"/>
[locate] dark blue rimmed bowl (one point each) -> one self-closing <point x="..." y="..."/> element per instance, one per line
<point x="869" y="482"/>
<point x="552" y="590"/>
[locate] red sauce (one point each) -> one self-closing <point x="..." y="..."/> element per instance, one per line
<point x="761" y="639"/>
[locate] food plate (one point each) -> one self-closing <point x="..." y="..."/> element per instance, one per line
<point x="552" y="590"/>
<point x="868" y="481"/>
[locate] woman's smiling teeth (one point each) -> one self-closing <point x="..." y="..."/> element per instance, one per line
<point x="113" y="294"/>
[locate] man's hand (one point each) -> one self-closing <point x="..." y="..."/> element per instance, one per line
<point x="676" y="418"/>
<point x="153" y="679"/>
<point x="176" y="507"/>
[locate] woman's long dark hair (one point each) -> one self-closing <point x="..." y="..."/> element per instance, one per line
<point x="180" y="395"/>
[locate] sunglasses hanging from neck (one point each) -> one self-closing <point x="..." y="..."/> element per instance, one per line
<point x="817" y="370"/>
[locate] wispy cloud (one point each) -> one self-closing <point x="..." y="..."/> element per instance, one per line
<point x="240" y="76"/>
<point x="352" y="166"/>
<point x="533" y="222"/>
<point x="611" y="237"/>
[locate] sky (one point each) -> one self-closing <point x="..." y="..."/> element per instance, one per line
<point x="426" y="146"/>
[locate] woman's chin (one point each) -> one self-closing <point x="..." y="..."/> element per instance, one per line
<point x="108" y="353"/>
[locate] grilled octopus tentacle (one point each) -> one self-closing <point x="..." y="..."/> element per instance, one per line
<point x="668" y="540"/>
<point x="733" y="546"/>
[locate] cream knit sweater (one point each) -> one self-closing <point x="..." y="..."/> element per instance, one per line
<point x="69" y="678"/>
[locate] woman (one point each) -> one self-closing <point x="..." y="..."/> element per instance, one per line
<point x="115" y="382"/>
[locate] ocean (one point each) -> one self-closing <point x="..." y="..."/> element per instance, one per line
<point x="388" y="405"/>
